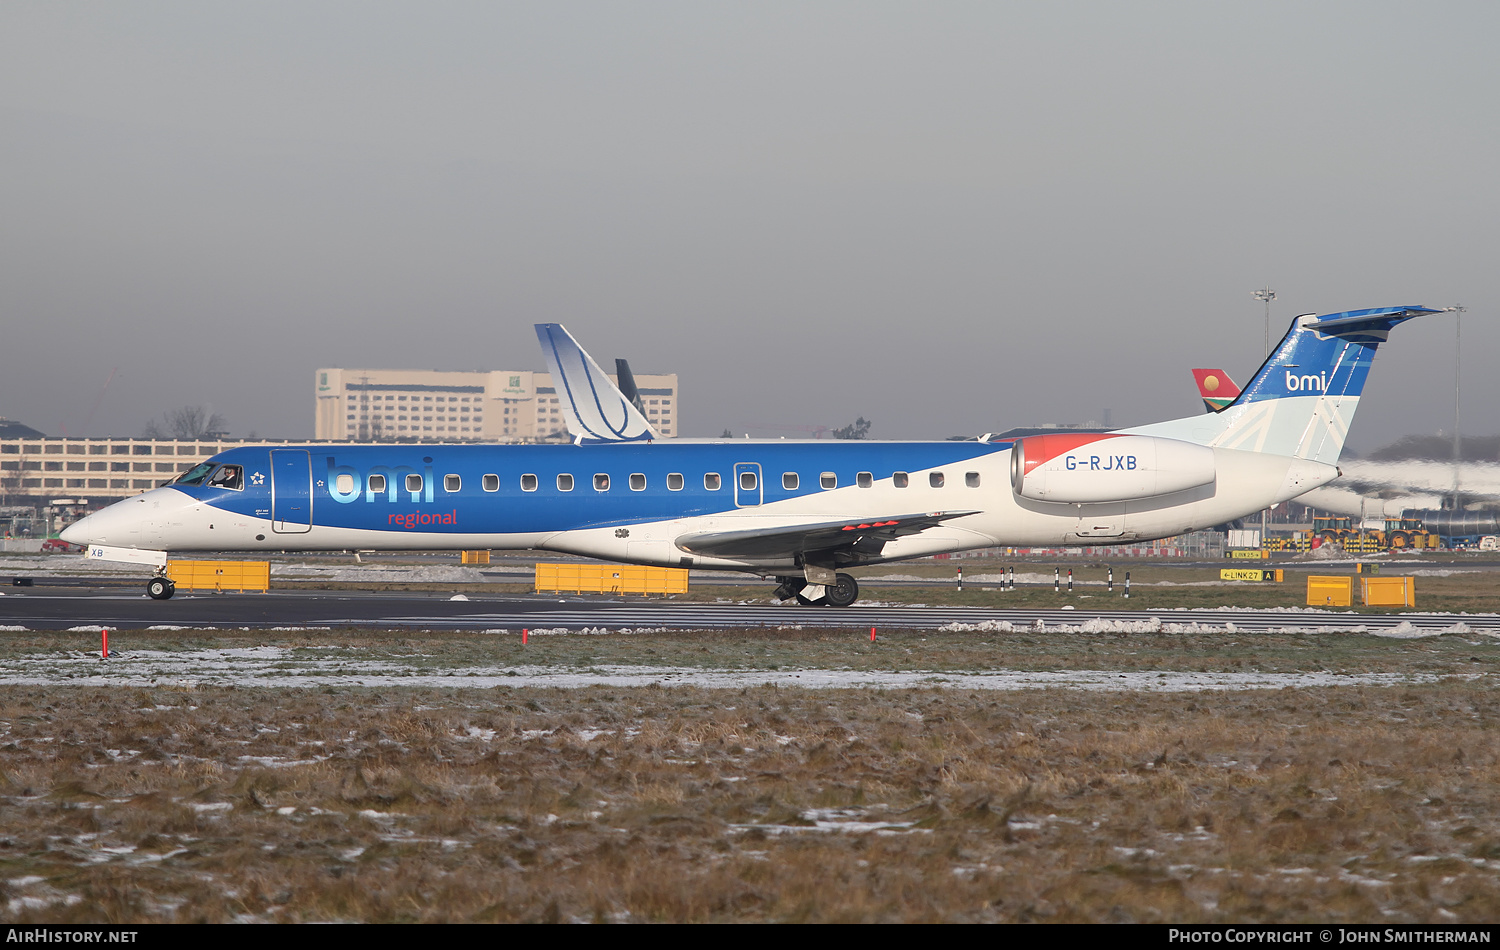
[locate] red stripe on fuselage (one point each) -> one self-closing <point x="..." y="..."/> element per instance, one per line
<point x="1044" y="448"/>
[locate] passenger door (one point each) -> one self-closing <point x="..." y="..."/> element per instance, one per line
<point x="291" y="491"/>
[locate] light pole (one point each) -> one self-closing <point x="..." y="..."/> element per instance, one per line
<point x="1458" y="319"/>
<point x="1266" y="295"/>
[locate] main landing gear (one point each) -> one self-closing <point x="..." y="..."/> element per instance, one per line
<point x="160" y="588"/>
<point x="841" y="593"/>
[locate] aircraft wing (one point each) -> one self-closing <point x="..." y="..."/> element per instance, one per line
<point x="593" y="407"/>
<point x="864" y="536"/>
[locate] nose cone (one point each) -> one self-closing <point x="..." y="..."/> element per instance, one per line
<point x="109" y="525"/>
<point x="138" y="522"/>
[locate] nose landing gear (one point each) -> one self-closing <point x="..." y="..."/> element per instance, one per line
<point x="160" y="588"/>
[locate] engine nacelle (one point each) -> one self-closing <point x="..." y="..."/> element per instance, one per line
<point x="1078" y="468"/>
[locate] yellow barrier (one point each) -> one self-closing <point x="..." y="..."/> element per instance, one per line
<point x="611" y="579"/>
<point x="1388" y="591"/>
<point x="1330" y="591"/>
<point x="475" y="557"/>
<point x="220" y="575"/>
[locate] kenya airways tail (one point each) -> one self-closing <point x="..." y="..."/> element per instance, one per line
<point x="1216" y="388"/>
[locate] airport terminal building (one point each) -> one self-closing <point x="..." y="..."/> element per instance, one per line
<point x="405" y="405"/>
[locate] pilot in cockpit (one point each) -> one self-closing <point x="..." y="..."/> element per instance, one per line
<point x="227" y="476"/>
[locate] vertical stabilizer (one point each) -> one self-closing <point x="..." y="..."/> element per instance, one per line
<point x="626" y="380"/>
<point x="594" y="408"/>
<point x="1216" y="389"/>
<point x="1303" y="398"/>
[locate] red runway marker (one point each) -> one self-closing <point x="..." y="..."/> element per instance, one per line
<point x="524" y="631"/>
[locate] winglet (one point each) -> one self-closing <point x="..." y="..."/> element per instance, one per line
<point x="593" y="407"/>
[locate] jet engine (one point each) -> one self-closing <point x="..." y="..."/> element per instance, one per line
<point x="1077" y="468"/>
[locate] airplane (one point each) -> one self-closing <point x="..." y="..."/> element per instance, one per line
<point x="1423" y="489"/>
<point x="796" y="511"/>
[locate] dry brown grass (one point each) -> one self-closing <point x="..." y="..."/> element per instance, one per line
<point x="681" y="804"/>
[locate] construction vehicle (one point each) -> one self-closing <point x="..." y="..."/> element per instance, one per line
<point x="1399" y="534"/>
<point x="1409" y="533"/>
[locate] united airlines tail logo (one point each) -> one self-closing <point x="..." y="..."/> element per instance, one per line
<point x="1307" y="382"/>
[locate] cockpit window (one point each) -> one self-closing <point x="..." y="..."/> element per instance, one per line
<point x="195" y="475"/>
<point x="228" y="476"/>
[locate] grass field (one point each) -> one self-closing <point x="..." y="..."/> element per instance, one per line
<point x="681" y="803"/>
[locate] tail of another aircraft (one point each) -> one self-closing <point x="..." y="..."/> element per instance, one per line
<point x="1303" y="398"/>
<point x="1216" y="388"/>
<point x="594" y="408"/>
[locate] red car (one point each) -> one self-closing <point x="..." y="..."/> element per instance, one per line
<point x="58" y="545"/>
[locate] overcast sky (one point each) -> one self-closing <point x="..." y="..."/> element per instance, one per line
<point x="945" y="217"/>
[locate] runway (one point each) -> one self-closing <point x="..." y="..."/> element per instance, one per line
<point x="91" y="608"/>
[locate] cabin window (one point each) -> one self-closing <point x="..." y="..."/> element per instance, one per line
<point x="492" y="482"/>
<point x="528" y="483"/>
<point x="601" y="482"/>
<point x="674" y="481"/>
<point x="864" y="479"/>
<point x="828" y="480"/>
<point x="747" y="481"/>
<point x="344" y="484"/>
<point x="971" y="479"/>
<point x="377" y="484"/>
<point x="413" y="483"/>
<point x="900" y="479"/>
<point x="452" y="483"/>
<point x="565" y="483"/>
<point x="711" y="481"/>
<point x="935" y="479"/>
<point x="789" y="481"/>
<point x="637" y="482"/>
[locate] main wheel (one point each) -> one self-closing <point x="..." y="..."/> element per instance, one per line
<point x="843" y="592"/>
<point x="159" y="588"/>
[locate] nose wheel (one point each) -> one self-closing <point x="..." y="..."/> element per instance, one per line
<point x="159" y="588"/>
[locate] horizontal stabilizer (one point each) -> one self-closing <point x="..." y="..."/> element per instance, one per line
<point x="868" y="534"/>
<point x="593" y="406"/>
<point x="1370" y="326"/>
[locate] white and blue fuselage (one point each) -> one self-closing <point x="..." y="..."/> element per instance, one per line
<point x="638" y="502"/>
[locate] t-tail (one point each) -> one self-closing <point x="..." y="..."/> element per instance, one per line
<point x="1303" y="398"/>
